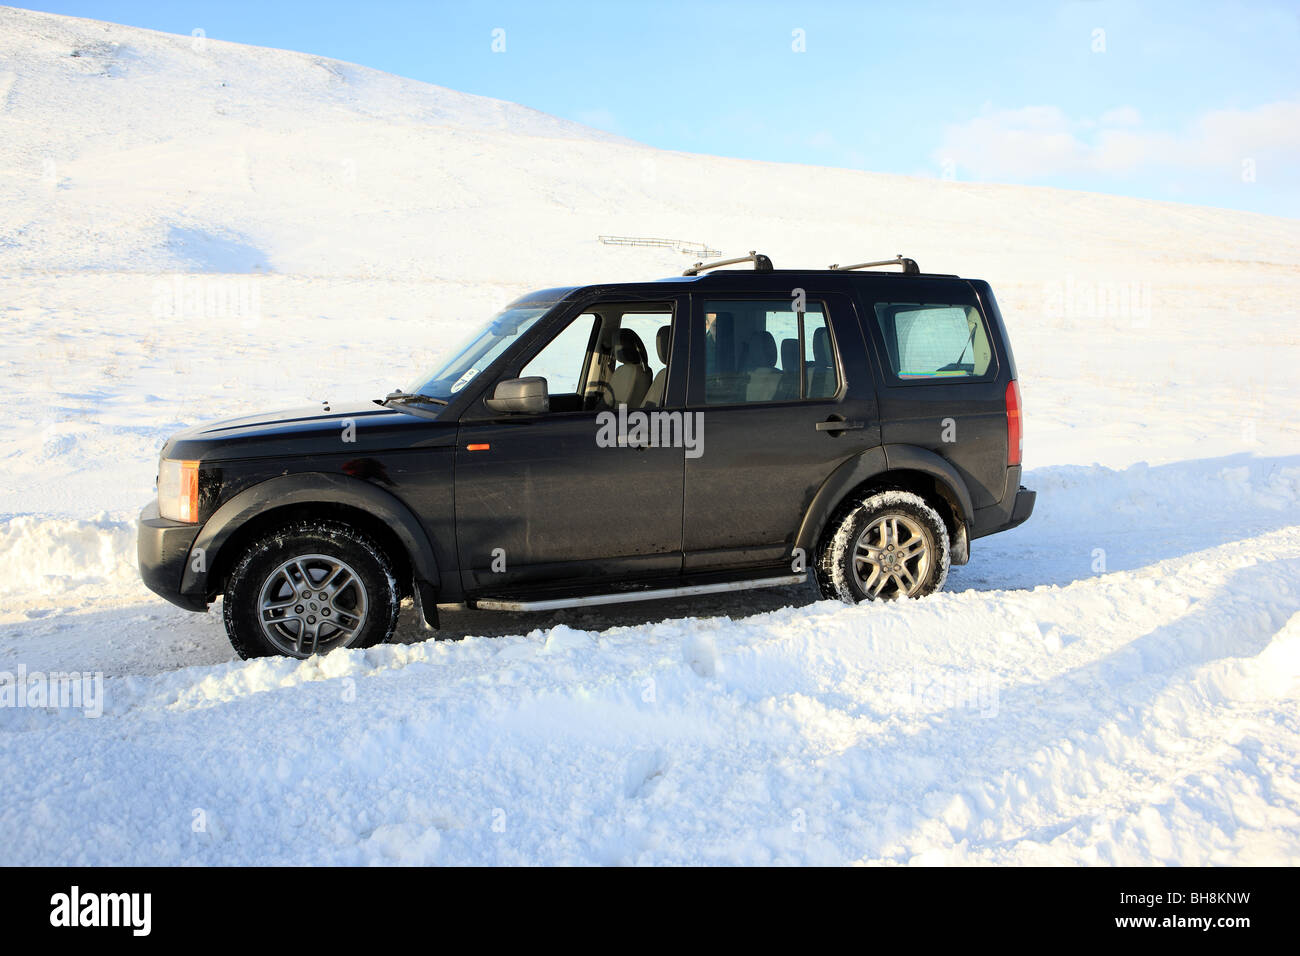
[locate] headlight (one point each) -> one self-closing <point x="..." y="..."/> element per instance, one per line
<point x="178" y="490"/>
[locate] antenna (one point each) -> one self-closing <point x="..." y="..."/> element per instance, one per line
<point x="761" y="263"/>
<point x="909" y="265"/>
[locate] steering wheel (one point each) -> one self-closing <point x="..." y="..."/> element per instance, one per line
<point x="600" y="393"/>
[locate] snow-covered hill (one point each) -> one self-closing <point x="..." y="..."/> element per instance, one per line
<point x="194" y="230"/>
<point x="126" y="149"/>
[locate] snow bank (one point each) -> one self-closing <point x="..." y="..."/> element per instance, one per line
<point x="43" y="558"/>
<point x="1216" y="490"/>
<point x="1122" y="719"/>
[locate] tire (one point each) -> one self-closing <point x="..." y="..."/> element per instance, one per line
<point x="352" y="601"/>
<point x="889" y="545"/>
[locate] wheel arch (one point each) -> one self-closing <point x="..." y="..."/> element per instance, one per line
<point x="287" y="498"/>
<point x="905" y="467"/>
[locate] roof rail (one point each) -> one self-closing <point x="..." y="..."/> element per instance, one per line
<point x="909" y="265"/>
<point x="761" y="263"/>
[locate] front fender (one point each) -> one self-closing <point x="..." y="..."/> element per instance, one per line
<point x="312" y="487"/>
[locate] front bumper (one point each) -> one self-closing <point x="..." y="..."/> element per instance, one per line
<point x="162" y="547"/>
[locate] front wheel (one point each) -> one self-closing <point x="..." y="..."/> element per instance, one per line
<point x="889" y="545"/>
<point x="308" y="589"/>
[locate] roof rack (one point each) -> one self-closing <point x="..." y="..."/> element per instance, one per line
<point x="909" y="265"/>
<point x="761" y="263"/>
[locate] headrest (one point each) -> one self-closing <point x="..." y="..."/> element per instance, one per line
<point x="631" y="349"/>
<point x="662" y="338"/>
<point x="790" y="354"/>
<point x="762" y="350"/>
<point x="821" y="347"/>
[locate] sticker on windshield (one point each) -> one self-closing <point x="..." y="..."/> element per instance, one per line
<point x="463" y="380"/>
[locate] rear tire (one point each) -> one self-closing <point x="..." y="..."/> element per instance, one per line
<point x="888" y="545"/>
<point x="309" y="588"/>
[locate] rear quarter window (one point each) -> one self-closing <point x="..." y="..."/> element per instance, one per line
<point x="934" y="341"/>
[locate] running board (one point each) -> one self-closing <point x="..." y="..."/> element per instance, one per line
<point x="628" y="597"/>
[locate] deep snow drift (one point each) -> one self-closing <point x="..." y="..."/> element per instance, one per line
<point x="194" y="231"/>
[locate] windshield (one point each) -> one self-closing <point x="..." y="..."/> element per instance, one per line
<point x="479" y="351"/>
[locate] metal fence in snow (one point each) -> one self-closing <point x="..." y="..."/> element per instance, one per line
<point x="677" y="245"/>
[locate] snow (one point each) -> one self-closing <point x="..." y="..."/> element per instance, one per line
<point x="188" y="234"/>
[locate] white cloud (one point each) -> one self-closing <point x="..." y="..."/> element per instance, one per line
<point x="1270" y="129"/>
<point x="1035" y="142"/>
<point x="1123" y="116"/>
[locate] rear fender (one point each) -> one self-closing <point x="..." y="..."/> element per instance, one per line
<point x="875" y="464"/>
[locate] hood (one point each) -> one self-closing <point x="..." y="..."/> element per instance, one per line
<point x="345" y="428"/>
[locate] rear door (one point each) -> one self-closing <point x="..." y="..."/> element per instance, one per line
<point x="942" y="379"/>
<point x="541" y="499"/>
<point x="782" y="391"/>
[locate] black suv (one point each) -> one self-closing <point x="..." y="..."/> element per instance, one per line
<point x="715" y="431"/>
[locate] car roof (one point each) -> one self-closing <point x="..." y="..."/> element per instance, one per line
<point x="734" y="276"/>
<point x="740" y="278"/>
<point x="730" y="279"/>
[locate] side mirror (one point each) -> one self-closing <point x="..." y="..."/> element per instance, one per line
<point x="521" y="395"/>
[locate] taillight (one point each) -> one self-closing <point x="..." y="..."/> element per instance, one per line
<point x="1015" y="432"/>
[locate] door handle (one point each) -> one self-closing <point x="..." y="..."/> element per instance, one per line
<point x="839" y="425"/>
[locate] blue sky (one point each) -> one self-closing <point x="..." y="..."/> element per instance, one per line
<point x="1193" y="102"/>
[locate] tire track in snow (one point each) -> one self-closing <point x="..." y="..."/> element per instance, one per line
<point x="1082" y="744"/>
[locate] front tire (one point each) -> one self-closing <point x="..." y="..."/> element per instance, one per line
<point x="310" y="588"/>
<point x="890" y="545"/>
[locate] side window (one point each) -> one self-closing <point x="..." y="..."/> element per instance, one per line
<point x="762" y="350"/>
<point x="610" y="355"/>
<point x="822" y="380"/>
<point x="934" y="341"/>
<point x="563" y="361"/>
<point x="642" y="335"/>
<point x="648" y="327"/>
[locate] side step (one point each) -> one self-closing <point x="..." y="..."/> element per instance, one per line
<point x="628" y="597"/>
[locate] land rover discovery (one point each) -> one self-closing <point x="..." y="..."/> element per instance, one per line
<point x="721" y="430"/>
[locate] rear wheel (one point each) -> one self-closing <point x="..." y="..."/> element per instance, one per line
<point x="308" y="589"/>
<point x="889" y="545"/>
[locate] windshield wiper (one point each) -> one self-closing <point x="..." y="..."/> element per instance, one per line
<point x="404" y="398"/>
<point x="957" y="366"/>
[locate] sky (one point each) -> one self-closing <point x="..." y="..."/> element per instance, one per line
<point x="1191" y="102"/>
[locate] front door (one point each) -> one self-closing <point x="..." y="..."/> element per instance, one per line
<point x="548" y="498"/>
